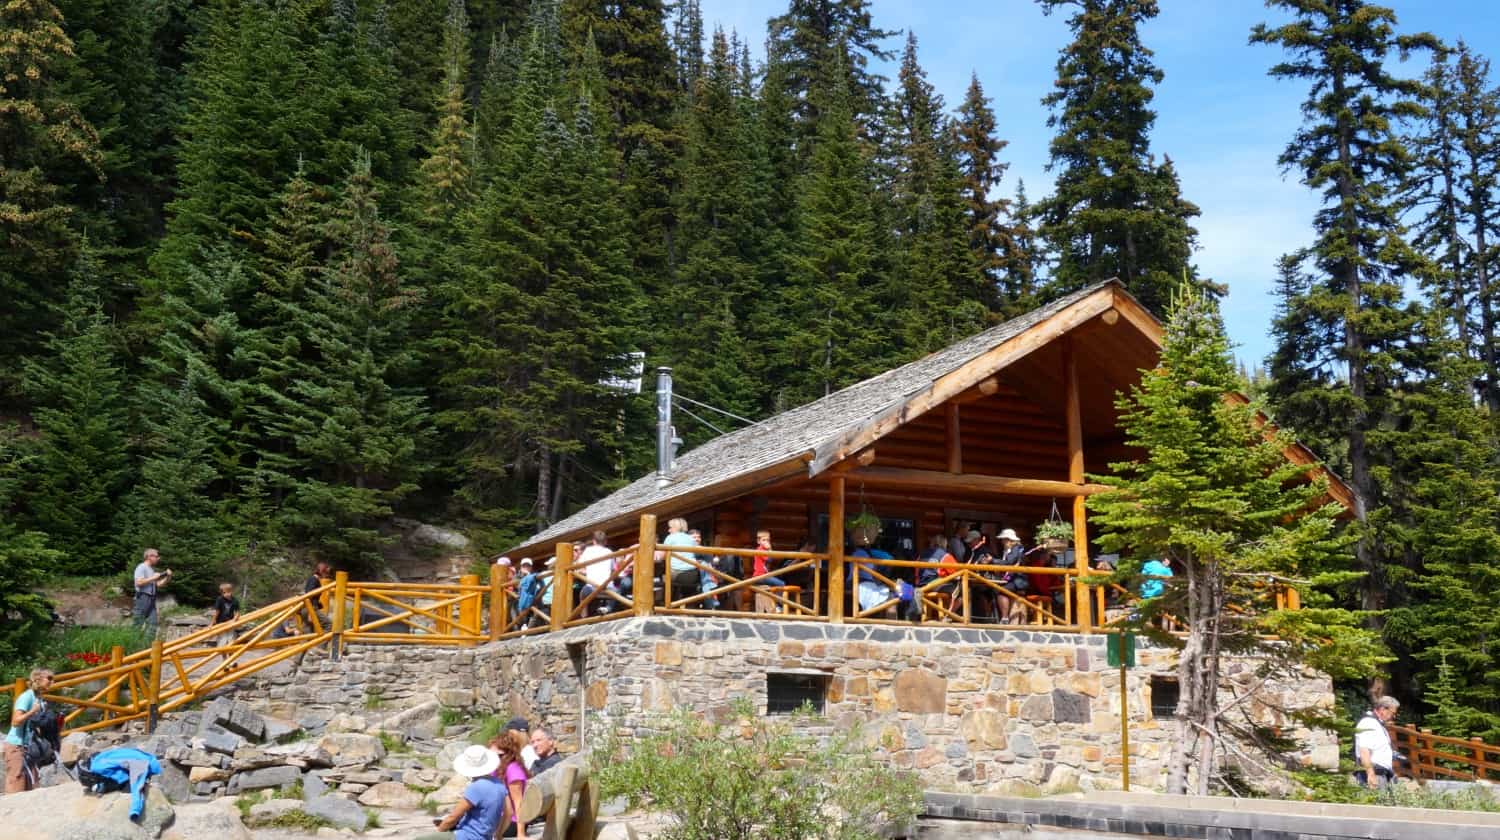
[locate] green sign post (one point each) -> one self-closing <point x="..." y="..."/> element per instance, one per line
<point x="1120" y="652"/>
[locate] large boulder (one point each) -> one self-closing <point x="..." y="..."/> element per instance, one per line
<point x="346" y="748"/>
<point x="235" y="716"/>
<point x="341" y="812"/>
<point x="391" y="795"/>
<point x="431" y="536"/>
<point x="66" y="812"/>
<point x="219" y="820"/>
<point x="265" y="777"/>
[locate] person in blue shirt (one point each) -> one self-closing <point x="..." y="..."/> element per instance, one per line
<point x="685" y="578"/>
<point x="1154" y="570"/>
<point x="476" y="816"/>
<point x="18" y="777"/>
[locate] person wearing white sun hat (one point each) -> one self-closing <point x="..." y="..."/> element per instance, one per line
<point x="477" y="814"/>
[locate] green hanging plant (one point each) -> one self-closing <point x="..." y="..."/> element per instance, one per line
<point x="865" y="520"/>
<point x="1054" y="531"/>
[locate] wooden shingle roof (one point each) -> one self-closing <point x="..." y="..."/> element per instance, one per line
<point x="812" y="437"/>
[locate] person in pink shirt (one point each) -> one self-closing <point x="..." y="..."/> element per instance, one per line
<point x="512" y="772"/>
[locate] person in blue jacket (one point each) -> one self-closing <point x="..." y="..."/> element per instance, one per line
<point x="127" y="767"/>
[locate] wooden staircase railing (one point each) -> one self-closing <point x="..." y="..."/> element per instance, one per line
<point x="1432" y="756"/>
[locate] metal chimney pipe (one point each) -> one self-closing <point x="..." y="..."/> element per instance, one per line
<point x="664" y="448"/>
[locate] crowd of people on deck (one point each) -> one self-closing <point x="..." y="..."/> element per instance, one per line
<point x="878" y="586"/>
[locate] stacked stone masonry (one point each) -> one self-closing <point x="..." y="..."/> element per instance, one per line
<point x="968" y="709"/>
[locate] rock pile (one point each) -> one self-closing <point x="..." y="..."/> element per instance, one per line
<point x="328" y="767"/>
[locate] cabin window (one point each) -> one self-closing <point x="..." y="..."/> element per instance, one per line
<point x="1164" y="693"/>
<point x="786" y="693"/>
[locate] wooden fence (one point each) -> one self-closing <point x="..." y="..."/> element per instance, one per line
<point x="640" y="580"/>
<point x="1431" y="756"/>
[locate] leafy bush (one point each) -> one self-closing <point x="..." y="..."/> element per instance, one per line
<point x="756" y="779"/>
<point x="1338" y="787"/>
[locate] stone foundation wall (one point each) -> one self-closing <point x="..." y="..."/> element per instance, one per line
<point x="968" y="709"/>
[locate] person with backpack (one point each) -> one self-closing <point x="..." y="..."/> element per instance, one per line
<point x="1372" y="745"/>
<point x="20" y="773"/>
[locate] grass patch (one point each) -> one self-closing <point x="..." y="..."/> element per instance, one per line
<point x="392" y="742"/>
<point x="1338" y="787"/>
<point x="431" y="805"/>
<point x="487" y="727"/>
<point x="246" y="801"/>
<point x="86" y="583"/>
<point x="372" y="818"/>
<point x="296" y="820"/>
<point x="449" y="716"/>
<point x="374" y="697"/>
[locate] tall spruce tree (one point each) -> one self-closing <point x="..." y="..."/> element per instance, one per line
<point x="830" y="333"/>
<point x="25" y="558"/>
<point x="1214" y="494"/>
<point x="1116" y="212"/>
<point x="1444" y="474"/>
<point x="83" y="463"/>
<point x="351" y="434"/>
<point x="1452" y="190"/>
<point x="1343" y="339"/>
<point x="172" y="506"/>
<point x="45" y="137"/>
<point x="816" y="37"/>
<point x="721" y="216"/>
<point x="979" y="149"/>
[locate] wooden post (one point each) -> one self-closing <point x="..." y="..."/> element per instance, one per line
<point x="562" y="802"/>
<point x="1083" y="613"/>
<point x="836" y="549"/>
<point x="116" y="659"/>
<point x="644" y="569"/>
<point x="153" y="687"/>
<point x="336" y="613"/>
<point x="586" y="814"/>
<point x="955" y="441"/>
<point x="499" y="602"/>
<point x="562" y="586"/>
<point x="468" y="608"/>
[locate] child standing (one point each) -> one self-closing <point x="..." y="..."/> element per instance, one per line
<point x="226" y="610"/>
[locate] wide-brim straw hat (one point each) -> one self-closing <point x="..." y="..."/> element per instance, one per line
<point x="478" y="760"/>
<point x="1009" y="534"/>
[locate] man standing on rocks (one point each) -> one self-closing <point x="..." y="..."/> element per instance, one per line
<point x="147" y="579"/>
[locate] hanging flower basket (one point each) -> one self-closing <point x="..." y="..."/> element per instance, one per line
<point x="1055" y="534"/>
<point x="863" y="527"/>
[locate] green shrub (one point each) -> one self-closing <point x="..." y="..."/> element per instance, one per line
<point x="297" y="820"/>
<point x="449" y="716"/>
<point x="1338" y="787"/>
<point x="487" y="727"/>
<point x="756" y="779"/>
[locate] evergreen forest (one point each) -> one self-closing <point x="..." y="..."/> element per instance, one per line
<point x="276" y="271"/>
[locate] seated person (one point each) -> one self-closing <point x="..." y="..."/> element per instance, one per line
<point x="545" y="747"/>
<point x="870" y="591"/>
<point x="936" y="552"/>
<point x="761" y="565"/>
<point x="707" y="580"/>
<point x="1016" y="583"/>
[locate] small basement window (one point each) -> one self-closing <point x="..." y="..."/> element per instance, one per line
<point x="1164" y="694"/>
<point x="786" y="693"/>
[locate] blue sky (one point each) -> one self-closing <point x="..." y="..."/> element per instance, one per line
<point x="1220" y="117"/>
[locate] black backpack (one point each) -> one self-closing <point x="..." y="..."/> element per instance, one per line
<point x="46" y="738"/>
<point x="94" y="782"/>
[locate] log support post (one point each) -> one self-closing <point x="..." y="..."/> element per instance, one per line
<point x="836" y="549"/>
<point x="469" y="606"/>
<point x="954" y="440"/>
<point x="1083" y="612"/>
<point x="643" y="572"/>
<point x="499" y="603"/>
<point x="153" y="687"/>
<point x="336" y="614"/>
<point x="562" y="586"/>
<point x="116" y="659"/>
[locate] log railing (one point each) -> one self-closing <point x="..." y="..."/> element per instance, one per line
<point x="1431" y="756"/>
<point x="168" y="675"/>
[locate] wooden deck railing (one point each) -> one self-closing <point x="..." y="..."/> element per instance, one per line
<point x="140" y="685"/>
<point x="1431" y="756"/>
<point x="813" y="586"/>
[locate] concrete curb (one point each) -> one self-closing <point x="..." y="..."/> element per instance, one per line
<point x="1213" y="818"/>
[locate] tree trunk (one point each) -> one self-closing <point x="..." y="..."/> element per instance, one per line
<point x="540" y="508"/>
<point x="1479" y="219"/>
<point x="1372" y="586"/>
